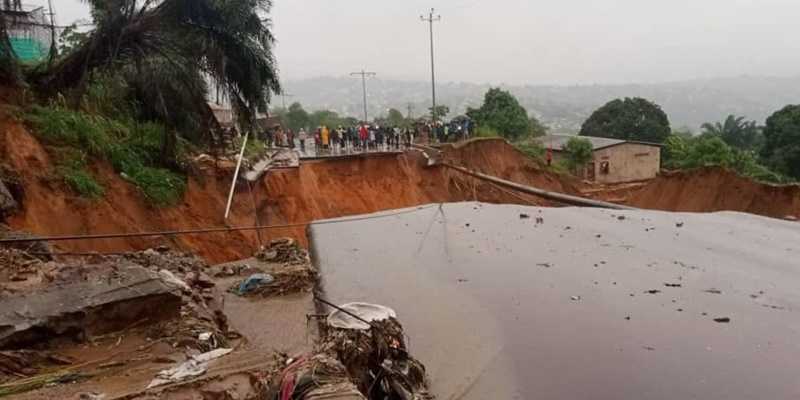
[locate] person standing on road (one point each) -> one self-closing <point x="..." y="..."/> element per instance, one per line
<point x="302" y="135"/>
<point x="363" y="135"/>
<point x="325" y="136"/>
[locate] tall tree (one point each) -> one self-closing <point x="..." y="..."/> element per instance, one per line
<point x="440" y="112"/>
<point x="781" y="149"/>
<point x="502" y="112"/>
<point x="176" y="44"/>
<point x="579" y="152"/>
<point x="296" y="117"/>
<point x="396" y="118"/>
<point x="735" y="131"/>
<point x="628" y="119"/>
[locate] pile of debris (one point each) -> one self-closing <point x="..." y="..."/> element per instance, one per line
<point x="287" y="270"/>
<point x="202" y="325"/>
<point x="284" y="251"/>
<point x="45" y="305"/>
<point x="362" y="355"/>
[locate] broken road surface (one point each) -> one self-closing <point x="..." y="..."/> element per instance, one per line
<point x="487" y="322"/>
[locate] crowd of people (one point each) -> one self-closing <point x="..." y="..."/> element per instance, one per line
<point x="363" y="137"/>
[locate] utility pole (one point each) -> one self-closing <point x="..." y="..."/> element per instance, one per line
<point x="430" y="19"/>
<point x="53" y="46"/>
<point x="410" y="107"/>
<point x="364" y="75"/>
<point x="283" y="99"/>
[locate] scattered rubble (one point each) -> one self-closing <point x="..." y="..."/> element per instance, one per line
<point x="289" y="271"/>
<point x="362" y="355"/>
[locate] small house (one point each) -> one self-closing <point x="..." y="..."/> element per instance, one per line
<point x="613" y="160"/>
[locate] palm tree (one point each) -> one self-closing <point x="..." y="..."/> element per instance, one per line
<point x="735" y="131"/>
<point x="168" y="49"/>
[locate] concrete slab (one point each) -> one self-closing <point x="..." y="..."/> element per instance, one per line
<point x="503" y="301"/>
<point x="99" y="305"/>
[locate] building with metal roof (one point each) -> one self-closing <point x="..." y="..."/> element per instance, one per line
<point x="613" y="160"/>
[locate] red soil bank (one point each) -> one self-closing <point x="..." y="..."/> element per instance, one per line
<point x="317" y="190"/>
<point x="716" y="189"/>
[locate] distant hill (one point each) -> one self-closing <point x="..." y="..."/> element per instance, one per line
<point x="563" y="108"/>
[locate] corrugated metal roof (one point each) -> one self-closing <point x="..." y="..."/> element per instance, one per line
<point x="557" y="142"/>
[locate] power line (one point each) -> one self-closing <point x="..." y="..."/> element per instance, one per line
<point x="364" y="75"/>
<point x="430" y="19"/>
<point x="206" y="230"/>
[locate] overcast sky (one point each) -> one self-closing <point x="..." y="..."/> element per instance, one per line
<point x="532" y="41"/>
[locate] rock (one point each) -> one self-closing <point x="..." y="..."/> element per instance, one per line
<point x="8" y="205"/>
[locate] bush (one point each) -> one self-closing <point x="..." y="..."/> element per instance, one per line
<point x="578" y="152"/>
<point x="532" y="149"/>
<point x="132" y="148"/>
<point x="710" y="150"/>
<point x="82" y="182"/>
<point x="487" y="132"/>
<point x="161" y="186"/>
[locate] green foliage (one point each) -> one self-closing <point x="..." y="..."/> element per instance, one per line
<point x="532" y="149"/>
<point x="736" y="132"/>
<point x="167" y="52"/>
<point x="487" y="132"/>
<point x="328" y="118"/>
<point x="161" y="186"/>
<point x="71" y="38"/>
<point x="396" y="118"/>
<point x="254" y="148"/>
<point x="296" y="117"/>
<point x="82" y="182"/>
<point x="628" y="119"/>
<point x="502" y="112"/>
<point x="781" y="150"/>
<point x="132" y="148"/>
<point x="537" y="128"/>
<point x="71" y="166"/>
<point x="578" y="153"/>
<point x="710" y="150"/>
<point x="440" y="112"/>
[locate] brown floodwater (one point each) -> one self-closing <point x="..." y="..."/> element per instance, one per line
<point x="574" y="303"/>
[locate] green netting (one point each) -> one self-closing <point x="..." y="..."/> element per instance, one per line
<point x="28" y="49"/>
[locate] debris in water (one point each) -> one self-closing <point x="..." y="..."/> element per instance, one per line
<point x="576" y="298"/>
<point x="649" y="348"/>
<point x="653" y="291"/>
<point x="545" y="265"/>
<point x="679" y="225"/>
<point x="723" y="320"/>
<point x="539" y="220"/>
<point x="195" y="366"/>
<point x="628" y="318"/>
<point x="673" y="285"/>
<point x="524" y="216"/>
<point x="713" y="291"/>
<point x="621" y="218"/>
<point x="254" y="282"/>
